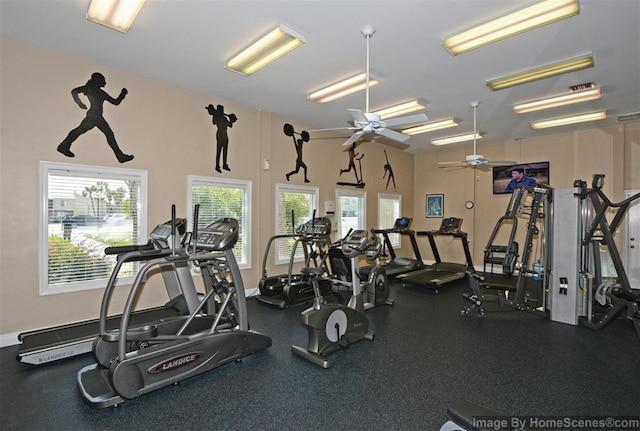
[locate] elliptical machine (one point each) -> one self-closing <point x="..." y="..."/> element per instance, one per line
<point x="373" y="280"/>
<point x="332" y="326"/>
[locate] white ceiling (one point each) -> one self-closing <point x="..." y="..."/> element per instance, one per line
<point x="185" y="43"/>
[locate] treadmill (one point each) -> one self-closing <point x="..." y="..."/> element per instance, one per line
<point x="399" y="265"/>
<point x="46" y="345"/>
<point x="440" y="272"/>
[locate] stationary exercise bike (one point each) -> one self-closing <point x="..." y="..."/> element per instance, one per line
<point x="332" y="326"/>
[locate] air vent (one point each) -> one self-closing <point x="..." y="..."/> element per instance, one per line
<point x="581" y="87"/>
<point x="629" y="117"/>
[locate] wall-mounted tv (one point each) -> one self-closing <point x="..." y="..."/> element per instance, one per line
<point x="505" y="178"/>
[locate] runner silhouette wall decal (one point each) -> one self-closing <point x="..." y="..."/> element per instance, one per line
<point x="223" y="122"/>
<point x="97" y="96"/>
<point x="303" y="137"/>
<point x="353" y="156"/>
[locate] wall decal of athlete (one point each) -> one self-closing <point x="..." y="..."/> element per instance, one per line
<point x="97" y="96"/>
<point x="388" y="170"/>
<point x="222" y="121"/>
<point x="353" y="156"/>
<point x="303" y="137"/>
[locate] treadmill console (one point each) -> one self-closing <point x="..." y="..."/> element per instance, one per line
<point x="402" y="224"/>
<point x="450" y="225"/>
<point x="163" y="231"/>
<point x="219" y="235"/>
<point x="318" y="226"/>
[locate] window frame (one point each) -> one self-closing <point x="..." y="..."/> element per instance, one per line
<point x="314" y="193"/>
<point x="360" y="194"/>
<point x="245" y="226"/>
<point x="395" y="238"/>
<point x="86" y="171"/>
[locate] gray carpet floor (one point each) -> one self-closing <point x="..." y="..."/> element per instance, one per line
<point x="424" y="355"/>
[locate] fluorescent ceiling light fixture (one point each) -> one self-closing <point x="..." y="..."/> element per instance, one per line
<point x="116" y="14"/>
<point x="562" y="121"/>
<point x="454" y="139"/>
<point x="526" y="19"/>
<point x="343" y="88"/>
<point x="552" y="102"/>
<point x="559" y="68"/>
<point x="265" y="50"/>
<point x="400" y="109"/>
<point x="436" y="125"/>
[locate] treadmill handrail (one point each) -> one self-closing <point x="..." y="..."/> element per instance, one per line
<point x="113" y="278"/>
<point x="138" y="283"/>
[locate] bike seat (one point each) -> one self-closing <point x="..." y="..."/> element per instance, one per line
<point x="312" y="270"/>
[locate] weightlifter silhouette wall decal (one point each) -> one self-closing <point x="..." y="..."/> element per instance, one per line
<point x="222" y="121"/>
<point x="97" y="96"/>
<point x="303" y="137"/>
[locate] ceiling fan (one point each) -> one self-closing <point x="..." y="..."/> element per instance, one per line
<point x="476" y="159"/>
<point x="369" y="122"/>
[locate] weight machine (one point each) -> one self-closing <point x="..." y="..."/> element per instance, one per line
<point x="520" y="284"/>
<point x="581" y="292"/>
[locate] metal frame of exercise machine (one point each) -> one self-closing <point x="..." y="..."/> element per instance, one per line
<point x="373" y="280"/>
<point x="440" y="273"/>
<point x="580" y="293"/>
<point x="519" y="285"/>
<point x="293" y="288"/>
<point x="161" y="353"/>
<point x="47" y="345"/>
<point x="396" y="265"/>
<point x="334" y="326"/>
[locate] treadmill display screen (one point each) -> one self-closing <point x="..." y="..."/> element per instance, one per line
<point x="402" y="223"/>
<point x="450" y="225"/>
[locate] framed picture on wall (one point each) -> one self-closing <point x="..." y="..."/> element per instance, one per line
<point x="435" y="205"/>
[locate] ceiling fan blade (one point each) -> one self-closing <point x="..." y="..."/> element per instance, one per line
<point x="353" y="138"/>
<point x="358" y="116"/>
<point x="409" y="119"/>
<point x="392" y="134"/>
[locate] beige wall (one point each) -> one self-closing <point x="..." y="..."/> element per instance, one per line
<point x="613" y="151"/>
<point x="170" y="134"/>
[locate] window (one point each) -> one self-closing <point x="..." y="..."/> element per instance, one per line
<point x="351" y="210"/>
<point x="83" y="210"/>
<point x="389" y="205"/>
<point x="298" y="202"/>
<point x="220" y="198"/>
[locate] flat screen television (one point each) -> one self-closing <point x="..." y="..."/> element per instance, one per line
<point x="502" y="176"/>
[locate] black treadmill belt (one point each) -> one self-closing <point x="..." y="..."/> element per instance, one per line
<point x="37" y="340"/>
<point x="507" y="282"/>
